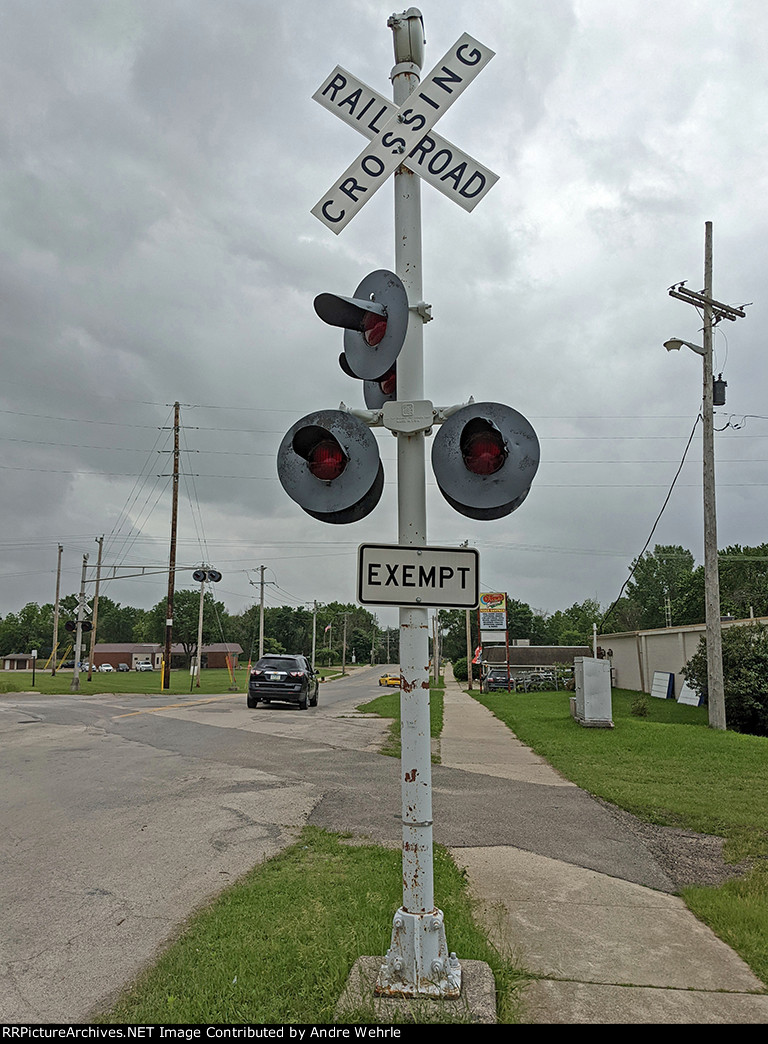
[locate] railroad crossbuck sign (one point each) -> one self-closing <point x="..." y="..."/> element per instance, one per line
<point x="402" y="135"/>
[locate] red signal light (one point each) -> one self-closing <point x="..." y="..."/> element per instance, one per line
<point x="483" y="451"/>
<point x="388" y="383"/>
<point x="327" y="460"/>
<point x="374" y="328"/>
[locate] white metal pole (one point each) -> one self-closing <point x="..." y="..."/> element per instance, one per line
<point x="199" y="656"/>
<point x="418" y="962"/>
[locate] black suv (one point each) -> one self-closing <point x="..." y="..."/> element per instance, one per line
<point x="285" y="679"/>
<point x="498" y="680"/>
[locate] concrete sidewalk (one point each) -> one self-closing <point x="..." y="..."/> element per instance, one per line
<point x="603" y="949"/>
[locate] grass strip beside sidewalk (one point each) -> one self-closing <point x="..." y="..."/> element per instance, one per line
<point x="277" y="946"/>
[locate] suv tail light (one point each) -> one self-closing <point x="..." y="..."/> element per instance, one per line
<point x="296" y="674"/>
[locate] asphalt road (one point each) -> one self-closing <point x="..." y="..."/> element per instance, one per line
<point x="123" y="814"/>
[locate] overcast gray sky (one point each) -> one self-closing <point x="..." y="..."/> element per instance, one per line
<point x="159" y="161"/>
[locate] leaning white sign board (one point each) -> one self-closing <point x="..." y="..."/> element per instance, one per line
<point x="442" y="577"/>
<point x="663" y="686"/>
<point x="402" y="133"/>
<point x="689" y="696"/>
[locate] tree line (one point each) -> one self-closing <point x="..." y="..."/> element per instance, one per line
<point x="338" y="628"/>
<point x="665" y="586"/>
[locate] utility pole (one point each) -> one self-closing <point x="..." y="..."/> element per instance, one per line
<point x="314" y="632"/>
<point x="166" y="684"/>
<point x="56" y="613"/>
<point x="469" y="648"/>
<point x="714" y="311"/>
<point x="261" y="613"/>
<point x="75" y="686"/>
<point x="100" y="542"/>
<point x="715" y="684"/>
<point x="344" y="648"/>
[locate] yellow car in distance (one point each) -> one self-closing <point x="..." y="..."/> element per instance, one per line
<point x="390" y="679"/>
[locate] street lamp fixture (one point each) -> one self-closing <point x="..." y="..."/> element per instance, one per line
<point x="675" y="344"/>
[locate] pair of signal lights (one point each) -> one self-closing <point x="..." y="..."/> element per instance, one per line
<point x="484" y="455"/>
<point x="201" y="575"/>
<point x="85" y="626"/>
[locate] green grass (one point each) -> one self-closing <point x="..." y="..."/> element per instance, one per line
<point x="277" y="946"/>
<point x="388" y="706"/>
<point x="144" y="682"/>
<point x="137" y="682"/>
<point x="669" y="768"/>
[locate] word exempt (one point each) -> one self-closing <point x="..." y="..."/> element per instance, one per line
<point x="438" y="576"/>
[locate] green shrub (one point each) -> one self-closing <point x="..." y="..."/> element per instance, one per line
<point x="745" y="677"/>
<point x="460" y="669"/>
<point x="640" y="705"/>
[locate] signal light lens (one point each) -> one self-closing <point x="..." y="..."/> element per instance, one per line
<point x="327" y="460"/>
<point x="374" y="328"/>
<point x="483" y="449"/>
<point x="388" y="383"/>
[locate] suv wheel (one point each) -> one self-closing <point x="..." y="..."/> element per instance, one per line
<point x="303" y="701"/>
<point x="252" y="702"/>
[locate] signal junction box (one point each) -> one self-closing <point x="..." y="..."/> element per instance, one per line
<point x="591" y="706"/>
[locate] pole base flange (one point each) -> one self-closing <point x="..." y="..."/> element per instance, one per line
<point x="418" y="963"/>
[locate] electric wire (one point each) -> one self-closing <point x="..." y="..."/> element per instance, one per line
<point x="655" y="524"/>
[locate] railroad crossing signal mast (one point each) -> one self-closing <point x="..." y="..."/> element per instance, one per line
<point x="484" y="457"/>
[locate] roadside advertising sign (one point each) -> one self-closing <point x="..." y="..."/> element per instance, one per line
<point x="493" y="612"/>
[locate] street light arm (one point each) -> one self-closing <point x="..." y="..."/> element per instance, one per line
<point x="675" y="343"/>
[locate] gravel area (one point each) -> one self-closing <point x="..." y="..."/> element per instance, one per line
<point x="686" y="857"/>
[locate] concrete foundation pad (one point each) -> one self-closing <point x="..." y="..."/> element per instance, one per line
<point x="477" y="1003"/>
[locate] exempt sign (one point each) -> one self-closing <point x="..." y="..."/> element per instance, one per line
<point x="443" y="577"/>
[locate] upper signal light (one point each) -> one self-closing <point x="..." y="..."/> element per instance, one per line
<point x="375" y="322"/>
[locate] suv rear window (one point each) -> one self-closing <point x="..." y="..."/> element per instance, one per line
<point x="280" y="663"/>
